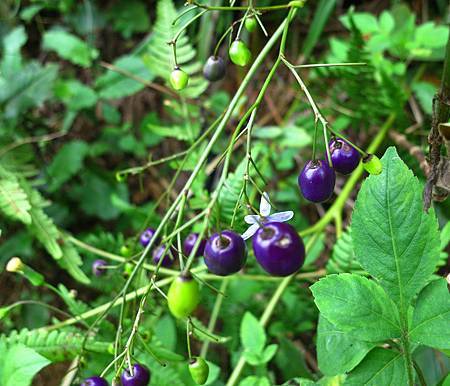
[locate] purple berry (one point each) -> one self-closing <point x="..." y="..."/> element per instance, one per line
<point x="316" y="181"/>
<point x="95" y="381"/>
<point x="345" y="157"/>
<point x="98" y="267"/>
<point x="214" y="68"/>
<point x="168" y="258"/>
<point x="279" y="249"/>
<point x="225" y="253"/>
<point x="189" y="242"/>
<point x="140" y="376"/>
<point x="146" y="236"/>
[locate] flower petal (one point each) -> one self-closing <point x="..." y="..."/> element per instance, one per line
<point x="250" y="231"/>
<point x="251" y="219"/>
<point x="264" y="206"/>
<point x="281" y="216"/>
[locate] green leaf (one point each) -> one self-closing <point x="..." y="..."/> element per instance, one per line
<point x="253" y="380"/>
<point x="19" y="365"/>
<point x="199" y="333"/>
<point x="380" y="367"/>
<point x="253" y="336"/>
<point x="69" y="47"/>
<point x="71" y="262"/>
<point x="121" y="13"/>
<point x="268" y="353"/>
<point x="75" y="95"/>
<point x="394" y="239"/>
<point x="343" y="258"/>
<point x="424" y="92"/>
<point x="113" y="85"/>
<point x="14" y="201"/>
<point x="364" y="21"/>
<point x="358" y="305"/>
<point x="27" y="88"/>
<point x="67" y="162"/>
<point x="431" y="317"/>
<point x="338" y="351"/>
<point x="11" y="58"/>
<point x="430" y="35"/>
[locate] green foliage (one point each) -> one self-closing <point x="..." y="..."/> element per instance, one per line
<point x="13" y="200"/>
<point x="343" y="258"/>
<point x="122" y="12"/>
<point x="397" y="243"/>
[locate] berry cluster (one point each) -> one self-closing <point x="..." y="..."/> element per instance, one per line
<point x="138" y="375"/>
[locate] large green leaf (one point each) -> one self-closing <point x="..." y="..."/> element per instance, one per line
<point x="338" y="351"/>
<point x="19" y="364"/>
<point x="113" y="85"/>
<point x="431" y="318"/>
<point x="358" y="305"/>
<point x="69" y="47"/>
<point x="394" y="239"/>
<point x="12" y="43"/>
<point x="380" y="367"/>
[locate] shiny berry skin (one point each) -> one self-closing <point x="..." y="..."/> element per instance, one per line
<point x="179" y="79"/>
<point x="199" y="370"/>
<point x="140" y="376"/>
<point x="225" y="253"/>
<point x="98" y="267"/>
<point x="146" y="236"/>
<point x="279" y="249"/>
<point x="345" y="157"/>
<point x="316" y="181"/>
<point x="214" y="68"/>
<point x="239" y="53"/>
<point x="189" y="242"/>
<point x="250" y="24"/>
<point x="94" y="381"/>
<point x="168" y="258"/>
<point x="372" y="164"/>
<point x="183" y="296"/>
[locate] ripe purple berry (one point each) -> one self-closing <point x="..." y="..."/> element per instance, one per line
<point x="225" y="253"/>
<point x="214" y="68"/>
<point x="168" y="258"/>
<point x="146" y="236"/>
<point x="316" y="181"/>
<point x="98" y="267"/>
<point x="279" y="249"/>
<point x="95" y="381"/>
<point x="345" y="157"/>
<point x="140" y="376"/>
<point x="189" y="242"/>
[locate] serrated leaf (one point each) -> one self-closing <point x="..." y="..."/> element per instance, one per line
<point x="431" y="317"/>
<point x="67" y="162"/>
<point x="338" y="351"/>
<point x="343" y="258"/>
<point x="14" y="201"/>
<point x="394" y="239"/>
<point x="19" y="365"/>
<point x="69" y="47"/>
<point x="380" y="367"/>
<point x="113" y="85"/>
<point x="253" y="336"/>
<point x="358" y="305"/>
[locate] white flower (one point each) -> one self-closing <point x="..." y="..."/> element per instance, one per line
<point x="264" y="208"/>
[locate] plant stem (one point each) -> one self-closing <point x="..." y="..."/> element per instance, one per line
<point x="242" y="8"/>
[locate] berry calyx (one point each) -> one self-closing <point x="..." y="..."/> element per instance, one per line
<point x="190" y="241"/>
<point x="214" y="68"/>
<point x="94" y="381"/>
<point x="98" y="267"/>
<point x="250" y="24"/>
<point x="146" y="236"/>
<point x="316" y="181"/>
<point x="345" y="157"/>
<point x="138" y="376"/>
<point x="279" y="249"/>
<point x="239" y="53"/>
<point x="183" y="296"/>
<point x="225" y="253"/>
<point x="167" y="258"/>
<point x="179" y="79"/>
<point x="372" y="164"/>
<point x="199" y="370"/>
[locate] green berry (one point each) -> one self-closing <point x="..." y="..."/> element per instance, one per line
<point x="250" y="24"/>
<point x="239" y="53"/>
<point x="179" y="79"/>
<point x="199" y="370"/>
<point x="127" y="269"/>
<point x="372" y="164"/>
<point x="125" y="251"/>
<point x="183" y="296"/>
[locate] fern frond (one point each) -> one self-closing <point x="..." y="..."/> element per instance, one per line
<point x="13" y="200"/>
<point x="71" y="262"/>
<point x="343" y="258"/>
<point x="56" y="346"/>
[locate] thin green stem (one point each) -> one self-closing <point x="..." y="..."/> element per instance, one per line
<point x="242" y="8"/>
